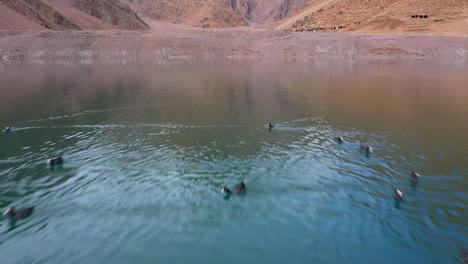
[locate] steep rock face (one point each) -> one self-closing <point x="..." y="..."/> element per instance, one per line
<point x="12" y="20"/>
<point x="200" y="13"/>
<point x="111" y="11"/>
<point x="367" y="16"/>
<point x="447" y="17"/>
<point x="224" y="16"/>
<point x="69" y="15"/>
<point x="264" y="11"/>
<point x="243" y="7"/>
<point x="84" y="20"/>
<point x="42" y="14"/>
<point x="219" y="13"/>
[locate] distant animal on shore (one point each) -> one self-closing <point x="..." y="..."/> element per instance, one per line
<point x="238" y="189"/>
<point x="55" y="162"/>
<point x="13" y="214"/>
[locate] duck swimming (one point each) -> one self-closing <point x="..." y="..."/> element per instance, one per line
<point x="339" y="140"/>
<point x="7" y="130"/>
<point x="55" y="162"/>
<point x="415" y="177"/>
<point x="367" y="149"/>
<point x="270" y="126"/>
<point x="226" y="190"/>
<point x="398" y="195"/>
<point x="13" y="214"/>
<point x="238" y="189"/>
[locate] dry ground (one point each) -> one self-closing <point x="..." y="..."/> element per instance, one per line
<point x="168" y="42"/>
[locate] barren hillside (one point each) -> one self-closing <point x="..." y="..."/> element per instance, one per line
<point x="113" y="12"/>
<point x="414" y="17"/>
<point x="12" y="20"/>
<point x="449" y="17"/>
<point x="446" y="17"/>
<point x="267" y="11"/>
<point x="67" y="15"/>
<point x="217" y="13"/>
<point x="200" y="13"/>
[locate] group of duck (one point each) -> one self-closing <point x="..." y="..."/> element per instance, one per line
<point x="238" y="189"/>
<point x="399" y="196"/>
<point x="414" y="176"/>
<point x="13" y="214"/>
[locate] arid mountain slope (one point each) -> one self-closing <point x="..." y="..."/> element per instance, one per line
<point x="217" y="13"/>
<point x="113" y="12"/>
<point x="413" y="17"/>
<point x="68" y="15"/>
<point x="449" y="17"/>
<point x="12" y="20"/>
<point x="267" y="11"/>
<point x="41" y="13"/>
<point x="200" y="13"/>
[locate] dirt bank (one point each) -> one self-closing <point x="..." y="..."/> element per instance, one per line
<point x="166" y="42"/>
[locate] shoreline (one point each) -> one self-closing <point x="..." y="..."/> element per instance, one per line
<point x="174" y="43"/>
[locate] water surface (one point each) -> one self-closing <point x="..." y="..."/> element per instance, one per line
<point x="147" y="149"/>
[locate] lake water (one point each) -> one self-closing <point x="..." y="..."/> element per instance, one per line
<point x="147" y="149"/>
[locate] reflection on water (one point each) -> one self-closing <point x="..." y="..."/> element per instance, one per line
<point x="147" y="149"/>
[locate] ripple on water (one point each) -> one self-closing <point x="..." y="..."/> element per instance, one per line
<point x="127" y="186"/>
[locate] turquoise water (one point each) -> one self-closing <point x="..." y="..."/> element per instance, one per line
<point x="147" y="149"/>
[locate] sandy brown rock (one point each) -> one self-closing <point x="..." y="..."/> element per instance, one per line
<point x="12" y="20"/>
<point x="68" y="15"/>
<point x="41" y="13"/>
<point x="84" y="20"/>
<point x="433" y="17"/>
<point x="164" y="41"/>
<point x="217" y="13"/>
<point x="444" y="17"/>
<point x="200" y="13"/>
<point x="412" y="17"/>
<point x="113" y="12"/>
